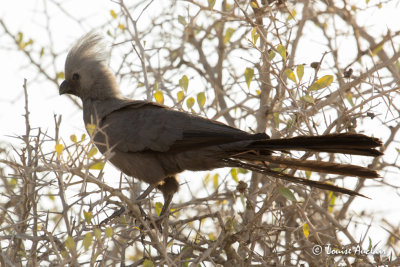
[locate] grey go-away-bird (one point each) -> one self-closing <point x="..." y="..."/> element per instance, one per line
<point x="154" y="143"/>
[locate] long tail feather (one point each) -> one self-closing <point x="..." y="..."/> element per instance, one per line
<point x="313" y="165"/>
<point x="346" y="143"/>
<point x="293" y="179"/>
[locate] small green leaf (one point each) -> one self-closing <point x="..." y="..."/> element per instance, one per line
<point x="306" y="230"/>
<point x="290" y="74"/>
<point x="211" y="4"/>
<point x="109" y="232"/>
<point x="321" y="83"/>
<point x="234" y="174"/>
<point x="248" y="75"/>
<point x="97" y="166"/>
<point x="228" y="34"/>
<point x="182" y="20"/>
<point x="97" y="233"/>
<point x="190" y="102"/>
<point x="180" y="95"/>
<point x="308" y="99"/>
<point x="276" y="118"/>
<point x="156" y="86"/>
<point x="184" y="83"/>
<point x="287" y="193"/>
<point x="148" y="263"/>
<point x="70" y="243"/>
<point x="254" y="35"/>
<point x="332" y="198"/>
<point x="158" y="207"/>
<point x="41" y="52"/>
<point x="308" y="174"/>
<point x="73" y="138"/>
<point x="215" y="181"/>
<point x="271" y="54"/>
<point x="93" y="151"/>
<point x="201" y="99"/>
<point x="88" y="216"/>
<point x="349" y="97"/>
<point x="300" y="72"/>
<point x="159" y="96"/>
<point x="87" y="241"/>
<point x="282" y="51"/>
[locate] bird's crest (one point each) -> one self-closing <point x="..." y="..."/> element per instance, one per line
<point x="89" y="49"/>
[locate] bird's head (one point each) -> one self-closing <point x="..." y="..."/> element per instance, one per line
<point x="86" y="72"/>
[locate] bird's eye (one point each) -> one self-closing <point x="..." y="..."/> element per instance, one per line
<point x="75" y="76"/>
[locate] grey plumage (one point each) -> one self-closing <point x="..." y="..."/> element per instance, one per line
<point x="153" y="143"/>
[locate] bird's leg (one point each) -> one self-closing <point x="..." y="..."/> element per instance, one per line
<point x="120" y="211"/>
<point x="168" y="187"/>
<point x="146" y="192"/>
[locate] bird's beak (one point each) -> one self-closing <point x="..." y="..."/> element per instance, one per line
<point x="64" y="88"/>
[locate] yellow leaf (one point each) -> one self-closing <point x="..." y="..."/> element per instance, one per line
<point x="87" y="241"/>
<point x="332" y="198"/>
<point x="190" y="102"/>
<point x="254" y="4"/>
<point x="234" y="175"/>
<point x="109" y="232"/>
<point x="93" y="151"/>
<point x="254" y="35"/>
<point x="113" y="14"/>
<point x="97" y="166"/>
<point x="121" y="26"/>
<point x="180" y="95"/>
<point x="147" y="262"/>
<point x="228" y="34"/>
<point x="60" y="75"/>
<point x="184" y="83"/>
<point x="159" y="96"/>
<point x="211" y="4"/>
<point x="88" y="216"/>
<point x="258" y="92"/>
<point x="308" y="174"/>
<point x="321" y="83"/>
<point x="201" y="99"/>
<point x="248" y="75"/>
<point x="377" y="50"/>
<point x="290" y="74"/>
<point x="291" y="15"/>
<point x="73" y="138"/>
<point x="59" y="149"/>
<point x="306" y="230"/>
<point x="300" y="72"/>
<point x="90" y="128"/>
<point x="282" y="51"/>
<point x="207" y="177"/>
<point x="215" y="181"/>
<point x="158" y="207"/>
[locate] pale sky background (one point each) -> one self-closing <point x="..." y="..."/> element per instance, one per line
<point x="44" y="101"/>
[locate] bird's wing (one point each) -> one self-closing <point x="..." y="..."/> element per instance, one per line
<point x="148" y="126"/>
